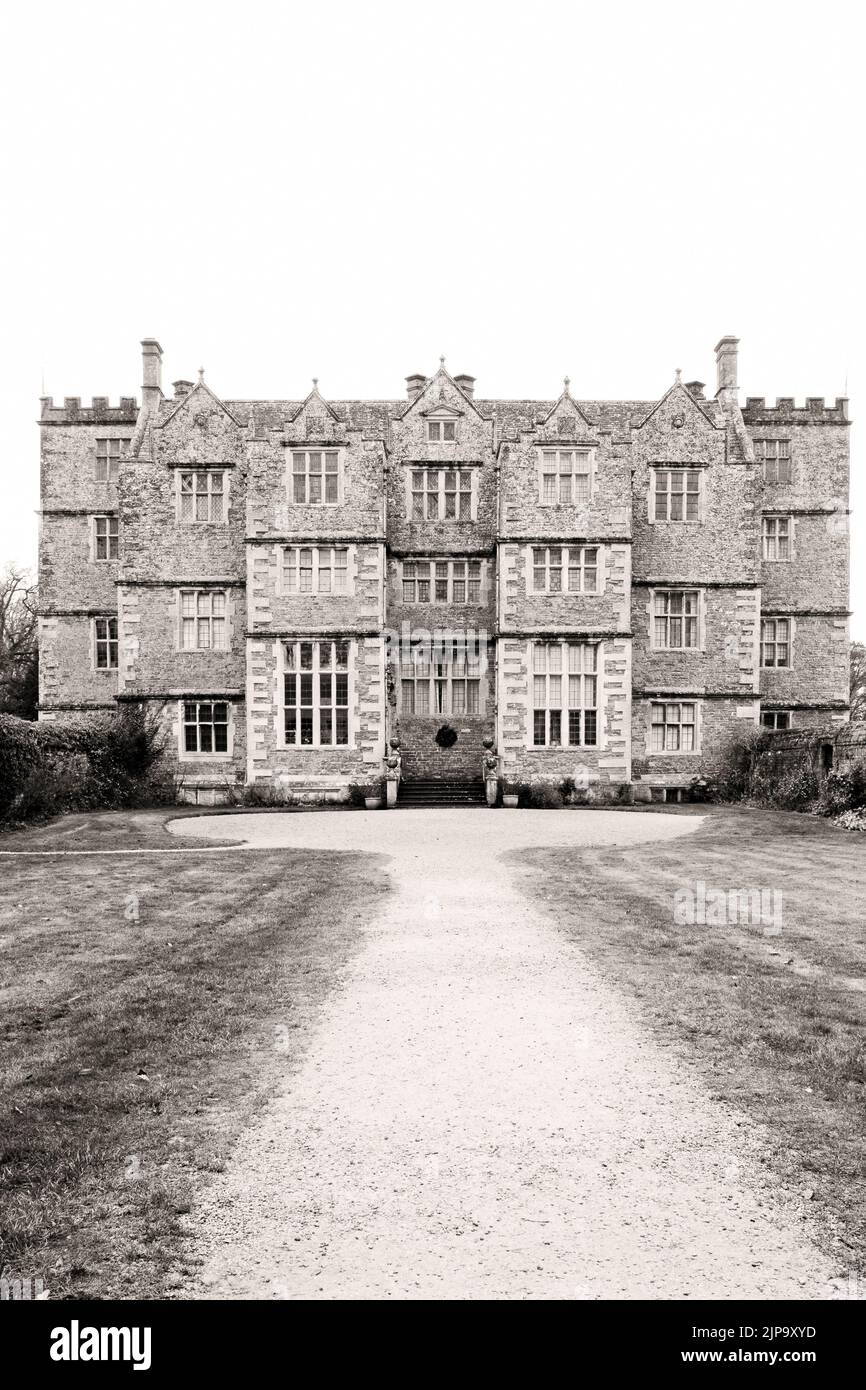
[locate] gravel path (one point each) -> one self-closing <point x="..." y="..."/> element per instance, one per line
<point x="478" y="1115"/>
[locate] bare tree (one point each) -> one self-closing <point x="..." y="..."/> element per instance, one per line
<point x="19" y="658"/>
<point x="858" y="680"/>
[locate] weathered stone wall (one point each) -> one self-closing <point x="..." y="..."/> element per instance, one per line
<point x="720" y="723"/>
<point x="324" y="771"/>
<point x="73" y="586"/>
<point x="608" y="762"/>
<point x="380" y="443"/>
<point x="818" y="675"/>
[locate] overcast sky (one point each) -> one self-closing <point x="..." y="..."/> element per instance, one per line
<point x="281" y="191"/>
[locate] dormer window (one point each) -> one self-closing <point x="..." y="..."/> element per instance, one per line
<point x="441" y="431"/>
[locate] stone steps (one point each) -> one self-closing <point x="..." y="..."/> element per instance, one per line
<point x="439" y="792"/>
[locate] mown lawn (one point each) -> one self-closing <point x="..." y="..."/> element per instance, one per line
<point x="148" y="1004"/>
<point x="776" y="1022"/>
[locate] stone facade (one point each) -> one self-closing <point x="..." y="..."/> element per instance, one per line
<point x="594" y="588"/>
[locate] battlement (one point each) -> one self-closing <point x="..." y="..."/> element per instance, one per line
<point x="99" y="412"/>
<point x="785" y="412"/>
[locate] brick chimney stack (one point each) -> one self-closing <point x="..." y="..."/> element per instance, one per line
<point x="726" y="366"/>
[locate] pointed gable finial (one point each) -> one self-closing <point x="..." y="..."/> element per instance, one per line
<point x="442" y="360"/>
<point x="315" y="383"/>
<point x="200" y="375"/>
<point x="566" y="381"/>
<point x="679" y="376"/>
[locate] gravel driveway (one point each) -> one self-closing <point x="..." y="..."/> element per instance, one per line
<point x="478" y="1115"/>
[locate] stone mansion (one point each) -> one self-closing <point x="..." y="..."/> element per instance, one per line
<point x="609" y="591"/>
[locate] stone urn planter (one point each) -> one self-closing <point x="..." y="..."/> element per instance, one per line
<point x="509" y="799"/>
<point x="373" y="803"/>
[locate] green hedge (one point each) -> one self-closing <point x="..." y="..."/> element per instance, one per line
<point x="79" y="764"/>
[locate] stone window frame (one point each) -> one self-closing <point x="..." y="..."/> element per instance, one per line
<point x="566" y="567"/>
<point x="111" y="534"/>
<point x="557" y="448"/>
<point x="440" y="426"/>
<point x="699" y="616"/>
<point x="109" y="642"/>
<point x="565" y="675"/>
<point x="686" y="469"/>
<point x="284" y="670"/>
<point x="434" y="580"/>
<point x="314" y="547"/>
<point x="460" y="470"/>
<point x="109" y="456"/>
<point x="775" y="641"/>
<point x="775" y="715"/>
<point x="323" y="450"/>
<point x="764" y="457"/>
<point x="775" y="537"/>
<point x="666" y="703"/>
<point x="201" y="701"/>
<point x="459" y="671"/>
<point x="209" y="471"/>
<point x="227" y="616"/>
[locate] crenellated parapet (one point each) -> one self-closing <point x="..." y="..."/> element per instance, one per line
<point x="785" y="412"/>
<point x="99" y="412"/>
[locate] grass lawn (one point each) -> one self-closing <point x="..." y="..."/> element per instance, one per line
<point x="149" y="1003"/>
<point x="776" y="1022"/>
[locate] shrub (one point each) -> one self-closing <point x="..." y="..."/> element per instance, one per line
<point x="106" y="761"/>
<point x="733" y="772"/>
<point x="844" y="790"/>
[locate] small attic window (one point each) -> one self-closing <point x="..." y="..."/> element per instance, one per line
<point x="441" y="431"/>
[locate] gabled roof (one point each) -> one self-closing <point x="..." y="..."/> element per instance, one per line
<point x="567" y="396"/>
<point x="202" y="388"/>
<point x="700" y="406"/>
<point x="315" y="395"/>
<point x="441" y="374"/>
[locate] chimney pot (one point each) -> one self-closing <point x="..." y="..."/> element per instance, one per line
<point x="726" y="365"/>
<point x="181" y="388"/>
<point x="696" y="389"/>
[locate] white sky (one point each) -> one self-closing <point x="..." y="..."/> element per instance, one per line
<point x="281" y="191"/>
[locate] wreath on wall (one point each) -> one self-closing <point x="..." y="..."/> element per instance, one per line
<point x="446" y="737"/>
